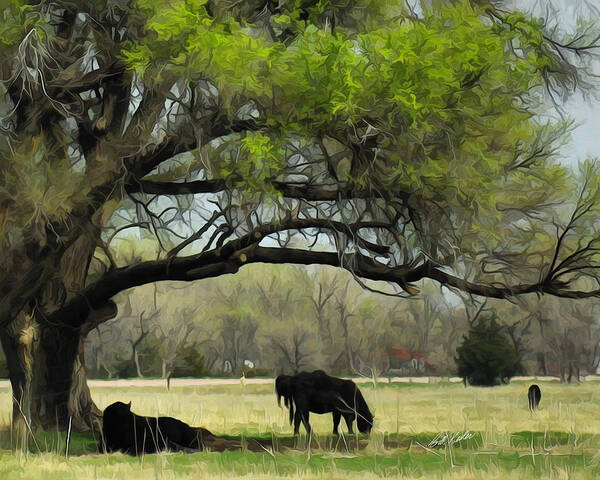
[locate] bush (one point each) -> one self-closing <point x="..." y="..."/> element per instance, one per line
<point x="486" y="356"/>
<point x="125" y="368"/>
<point x="190" y="363"/>
<point x="256" y="372"/>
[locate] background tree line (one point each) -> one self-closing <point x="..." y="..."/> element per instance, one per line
<point x="283" y="319"/>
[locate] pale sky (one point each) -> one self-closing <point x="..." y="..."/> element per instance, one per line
<point x="585" y="140"/>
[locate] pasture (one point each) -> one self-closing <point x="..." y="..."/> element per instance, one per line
<point x="500" y="437"/>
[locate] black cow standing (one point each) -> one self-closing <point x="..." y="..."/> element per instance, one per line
<point x="319" y="393"/>
<point x="534" y="395"/>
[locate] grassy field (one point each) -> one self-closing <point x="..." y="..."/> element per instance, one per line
<point x="503" y="439"/>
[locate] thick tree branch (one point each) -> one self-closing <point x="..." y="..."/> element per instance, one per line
<point x="71" y="80"/>
<point x="173" y="145"/>
<point x="184" y="188"/>
<point x="245" y="250"/>
<point x="306" y="192"/>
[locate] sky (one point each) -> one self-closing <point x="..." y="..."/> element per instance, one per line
<point x="585" y="139"/>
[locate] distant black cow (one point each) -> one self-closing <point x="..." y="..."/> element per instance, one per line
<point x="123" y="430"/>
<point x="319" y="393"/>
<point x="534" y="395"/>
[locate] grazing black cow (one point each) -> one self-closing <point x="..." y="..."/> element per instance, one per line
<point x="283" y="387"/>
<point x="534" y="395"/>
<point x="123" y="430"/>
<point x="319" y="393"/>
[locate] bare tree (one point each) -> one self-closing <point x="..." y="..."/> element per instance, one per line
<point x="343" y="305"/>
<point x="171" y="339"/>
<point x="320" y="299"/>
<point x="295" y="351"/>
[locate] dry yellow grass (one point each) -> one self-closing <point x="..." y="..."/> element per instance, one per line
<point x="251" y="410"/>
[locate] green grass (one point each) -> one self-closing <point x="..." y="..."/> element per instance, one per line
<point x="561" y="440"/>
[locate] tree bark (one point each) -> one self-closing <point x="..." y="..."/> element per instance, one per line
<point x="136" y="360"/>
<point x="348" y="349"/>
<point x="47" y="376"/>
<point x="45" y="358"/>
<point x="164" y="369"/>
<point x="84" y="412"/>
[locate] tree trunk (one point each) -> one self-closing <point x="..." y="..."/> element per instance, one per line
<point x="47" y="376"/>
<point x="85" y="414"/>
<point x="136" y="360"/>
<point x="164" y="369"/>
<point x="324" y="328"/>
<point x="563" y="372"/>
<point x="349" y="354"/>
<point x="542" y="363"/>
<point x="211" y="363"/>
<point x="45" y="360"/>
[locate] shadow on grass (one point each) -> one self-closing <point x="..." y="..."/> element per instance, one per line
<point x="44" y="441"/>
<point x="88" y="443"/>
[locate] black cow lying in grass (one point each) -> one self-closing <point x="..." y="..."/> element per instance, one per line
<point x="319" y="393"/>
<point x="123" y="430"/>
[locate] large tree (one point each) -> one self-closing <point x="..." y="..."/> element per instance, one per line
<point x="399" y="143"/>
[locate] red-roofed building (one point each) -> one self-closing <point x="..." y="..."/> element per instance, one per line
<point x="405" y="362"/>
<point x="400" y="353"/>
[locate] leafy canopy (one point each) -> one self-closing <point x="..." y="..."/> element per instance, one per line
<point x="447" y="96"/>
<point x="425" y="126"/>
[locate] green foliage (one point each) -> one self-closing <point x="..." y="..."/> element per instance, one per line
<point x="190" y="363"/>
<point x="40" y="186"/>
<point x="257" y="372"/>
<point x="486" y="357"/>
<point x="258" y="160"/>
<point x="18" y="17"/>
<point x="449" y="101"/>
<point x="449" y="94"/>
<point x="125" y="368"/>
